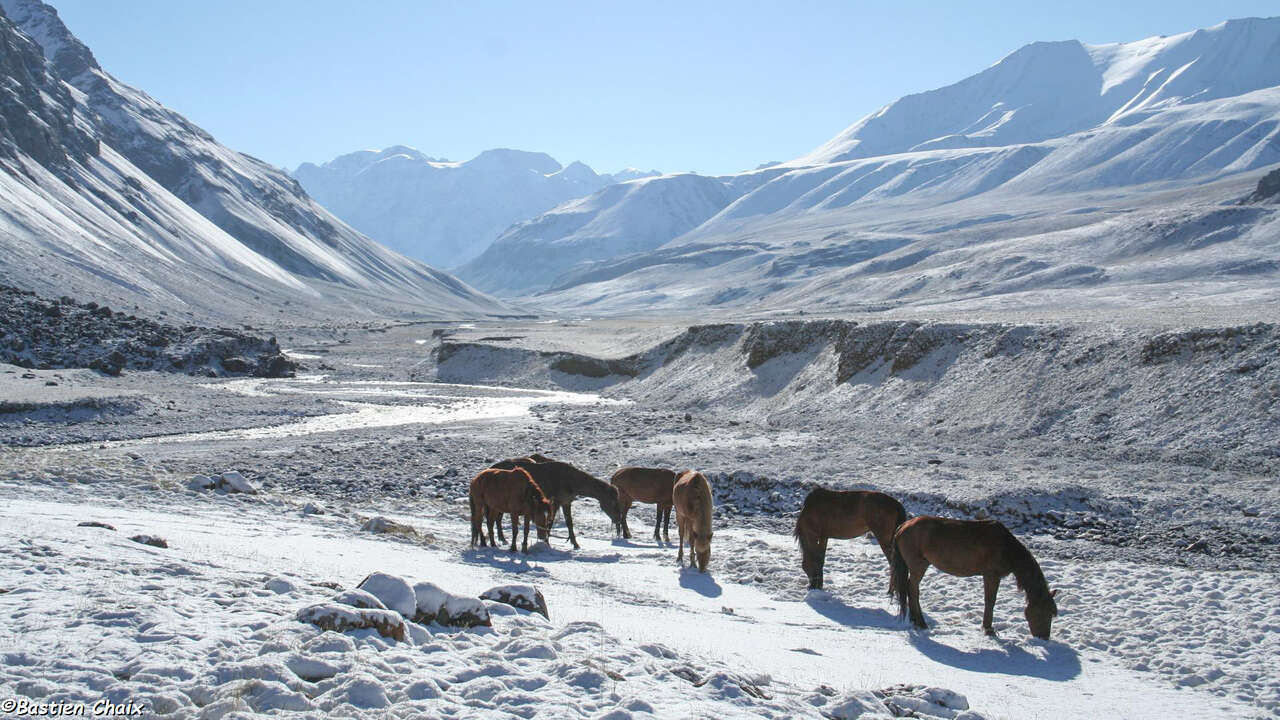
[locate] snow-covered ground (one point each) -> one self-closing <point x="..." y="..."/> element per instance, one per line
<point x="198" y="627"/>
<point x="208" y="624"/>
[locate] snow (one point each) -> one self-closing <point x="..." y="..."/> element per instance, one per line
<point x="231" y="642"/>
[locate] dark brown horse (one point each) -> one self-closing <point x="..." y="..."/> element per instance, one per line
<point x="647" y="485"/>
<point x="506" y="465"/>
<point x="507" y="491"/>
<point x="691" y="496"/>
<point x="564" y="483"/>
<point x="966" y="548"/>
<point x="844" y="514"/>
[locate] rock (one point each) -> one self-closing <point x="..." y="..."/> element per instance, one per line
<point x="386" y="526"/>
<point x="342" y="618"/>
<point x="280" y="585"/>
<point x="97" y="524"/>
<point x="435" y="605"/>
<point x="312" y="508"/>
<point x="201" y="482"/>
<point x="234" y="482"/>
<point x="394" y="592"/>
<point x="525" y="597"/>
<point x="360" y="599"/>
<point x="152" y="540"/>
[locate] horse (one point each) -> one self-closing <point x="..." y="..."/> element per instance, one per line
<point x="966" y="548"/>
<point x="844" y="514"/>
<point x="564" y="483"/>
<point x="647" y="485"/>
<point x="691" y="496"/>
<point x="532" y="457"/>
<point x="503" y="491"/>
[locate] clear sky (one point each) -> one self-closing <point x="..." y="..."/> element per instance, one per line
<point x="712" y="87"/>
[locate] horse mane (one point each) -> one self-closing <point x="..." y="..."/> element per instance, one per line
<point x="1027" y="571"/>
<point x="534" y="483"/>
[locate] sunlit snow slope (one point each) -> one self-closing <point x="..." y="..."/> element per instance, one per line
<point x="106" y="194"/>
<point x="1063" y="166"/>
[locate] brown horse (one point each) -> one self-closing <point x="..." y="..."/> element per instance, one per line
<point x="564" y="483"/>
<point x="506" y="491"/>
<point x="966" y="548"/>
<point x="691" y="496"/>
<point x="647" y="485"/>
<point x="844" y="514"/>
<point x="507" y="465"/>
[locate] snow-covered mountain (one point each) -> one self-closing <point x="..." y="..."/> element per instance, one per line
<point x="1068" y="134"/>
<point x="441" y="212"/>
<point x="106" y="194"/>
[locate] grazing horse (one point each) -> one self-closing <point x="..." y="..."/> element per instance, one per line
<point x="966" y="548"/>
<point x="647" y="485"/>
<point x="506" y="465"/>
<point x="564" y="483"/>
<point x="844" y="514"/>
<point x="691" y="496"/>
<point x="506" y="491"/>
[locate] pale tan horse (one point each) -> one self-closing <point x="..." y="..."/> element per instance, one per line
<point x="691" y="497"/>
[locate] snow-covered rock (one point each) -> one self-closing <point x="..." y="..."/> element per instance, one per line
<point x="152" y="540"/>
<point x="201" y="482"/>
<point x="387" y="526"/>
<point x="281" y="585"/>
<point x="436" y="605"/>
<point x="360" y="599"/>
<point x="233" y="482"/>
<point x="342" y="618"/>
<point x="394" y="592"/>
<point x="525" y="597"/>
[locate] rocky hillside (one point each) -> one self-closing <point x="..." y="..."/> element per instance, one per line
<point x="105" y="193"/>
<point x="40" y="333"/>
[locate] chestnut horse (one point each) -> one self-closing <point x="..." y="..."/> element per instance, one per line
<point x="505" y="465"/>
<point x="844" y="514"/>
<point x="507" y="491"/>
<point x="647" y="485"/>
<point x="966" y="548"/>
<point x="564" y="483"/>
<point x="691" y="496"/>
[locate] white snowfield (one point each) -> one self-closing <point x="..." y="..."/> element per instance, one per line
<point x="1010" y="188"/>
<point x="208" y="626"/>
<point x="446" y="213"/>
<point x="163" y="216"/>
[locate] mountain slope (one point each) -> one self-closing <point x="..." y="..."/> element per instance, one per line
<point x="147" y="209"/>
<point x="1064" y="132"/>
<point x="441" y="212"/>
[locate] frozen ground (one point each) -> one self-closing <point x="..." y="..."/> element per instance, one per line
<point x="1152" y="624"/>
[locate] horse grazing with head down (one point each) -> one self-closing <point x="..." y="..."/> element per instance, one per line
<point x="564" y="483"/>
<point x="691" y="497"/>
<point x="966" y="548"/>
<point x="844" y="514"/>
<point x="647" y="485"/>
<point x="494" y="492"/>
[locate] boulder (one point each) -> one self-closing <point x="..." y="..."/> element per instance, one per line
<point x="234" y="482"/>
<point x="360" y="599"/>
<point x="435" y="605"/>
<point x="280" y="585"/>
<point x="152" y="540"/>
<point x="394" y="592"/>
<point x="386" y="526"/>
<point x="342" y="618"/>
<point x="201" y="482"/>
<point x="525" y="597"/>
<point x="97" y="524"/>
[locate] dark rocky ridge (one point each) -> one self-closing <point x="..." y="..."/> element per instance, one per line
<point x="40" y="333"/>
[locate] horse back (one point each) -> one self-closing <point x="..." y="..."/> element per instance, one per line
<point x="650" y="485"/>
<point x="692" y="498"/>
<point x="845" y="514"/>
<point x="956" y="547"/>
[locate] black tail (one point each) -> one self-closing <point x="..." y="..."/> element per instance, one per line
<point x="898" y="581"/>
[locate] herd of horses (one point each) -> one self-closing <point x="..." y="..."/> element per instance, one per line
<point x="536" y="488"/>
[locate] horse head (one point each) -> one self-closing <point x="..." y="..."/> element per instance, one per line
<point x="1040" y="614"/>
<point x="702" y="549"/>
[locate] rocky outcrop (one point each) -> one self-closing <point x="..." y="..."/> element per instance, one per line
<point x="41" y="333"/>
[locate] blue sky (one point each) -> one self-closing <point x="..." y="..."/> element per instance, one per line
<point x="712" y="87"/>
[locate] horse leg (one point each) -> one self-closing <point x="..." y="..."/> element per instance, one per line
<point x="501" y="539"/>
<point x="913" y="594"/>
<point x="514" y="534"/>
<point x="990" y="584"/>
<point x="525" y="547"/>
<point x="568" y="522"/>
<point x="820" y="563"/>
<point x="488" y="519"/>
<point x="680" y="533"/>
<point x="666" y="525"/>
<point x="624" y="508"/>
